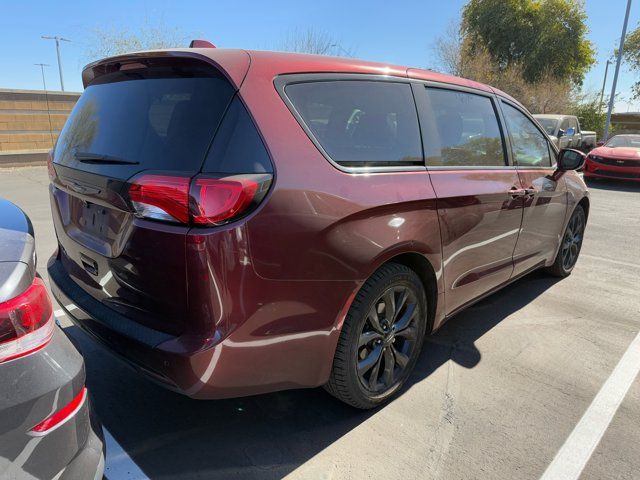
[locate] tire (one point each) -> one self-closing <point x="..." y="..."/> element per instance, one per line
<point x="571" y="245"/>
<point x="389" y="347"/>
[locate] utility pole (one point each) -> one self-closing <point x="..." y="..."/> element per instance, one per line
<point x="604" y="83"/>
<point x="58" y="40"/>
<point x="42" y="65"/>
<point x="615" y="75"/>
<point x="46" y="96"/>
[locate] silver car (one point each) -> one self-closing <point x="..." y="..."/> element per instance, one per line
<point x="47" y="427"/>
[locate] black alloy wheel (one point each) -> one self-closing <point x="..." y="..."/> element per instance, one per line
<point x="381" y="338"/>
<point x="388" y="339"/>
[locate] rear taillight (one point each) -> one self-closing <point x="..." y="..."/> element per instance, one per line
<point x="199" y="201"/>
<point x="161" y="197"/>
<point x="26" y="322"/>
<point x="50" y="168"/>
<point x="60" y="417"/>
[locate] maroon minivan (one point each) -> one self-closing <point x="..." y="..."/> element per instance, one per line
<point x="234" y="222"/>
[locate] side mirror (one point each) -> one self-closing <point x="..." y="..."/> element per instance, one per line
<point x="571" y="131"/>
<point x="600" y="143"/>
<point x="570" y="159"/>
<point x="561" y="133"/>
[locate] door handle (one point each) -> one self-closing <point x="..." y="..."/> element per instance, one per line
<point x="517" y="192"/>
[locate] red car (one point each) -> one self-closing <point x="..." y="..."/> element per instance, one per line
<point x="618" y="158"/>
<point x="235" y="222"/>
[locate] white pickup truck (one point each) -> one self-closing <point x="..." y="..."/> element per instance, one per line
<point x="565" y="131"/>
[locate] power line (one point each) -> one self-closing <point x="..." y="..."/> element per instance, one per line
<point x="46" y="96"/>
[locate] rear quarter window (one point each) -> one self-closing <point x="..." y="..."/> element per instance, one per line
<point x="360" y="123"/>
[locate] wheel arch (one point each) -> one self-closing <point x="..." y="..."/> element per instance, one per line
<point x="584" y="203"/>
<point x="423" y="268"/>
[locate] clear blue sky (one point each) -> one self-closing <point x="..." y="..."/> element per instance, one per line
<point x="394" y="32"/>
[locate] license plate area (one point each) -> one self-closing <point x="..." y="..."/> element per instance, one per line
<point x="92" y="219"/>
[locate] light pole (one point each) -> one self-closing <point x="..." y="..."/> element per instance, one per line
<point x="606" y="69"/>
<point x="615" y="75"/>
<point x="46" y="96"/>
<point x="58" y="40"/>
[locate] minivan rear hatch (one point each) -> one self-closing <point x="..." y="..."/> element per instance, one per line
<point x="156" y="115"/>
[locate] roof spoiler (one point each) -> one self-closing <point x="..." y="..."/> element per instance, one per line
<point x="201" y="44"/>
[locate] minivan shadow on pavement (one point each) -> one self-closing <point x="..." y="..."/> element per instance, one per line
<point x="268" y="436"/>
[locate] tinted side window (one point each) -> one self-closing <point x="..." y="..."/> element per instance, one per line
<point x="467" y="131"/>
<point x="529" y="145"/>
<point x="361" y="123"/>
<point x="573" y="123"/>
<point x="237" y="146"/>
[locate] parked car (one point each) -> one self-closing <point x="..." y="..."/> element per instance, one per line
<point x="235" y="222"/>
<point x="47" y="426"/>
<point x="619" y="158"/>
<point x="565" y="131"/>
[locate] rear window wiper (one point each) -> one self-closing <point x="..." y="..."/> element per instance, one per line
<point x="86" y="157"/>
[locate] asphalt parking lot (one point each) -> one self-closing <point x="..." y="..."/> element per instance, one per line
<point x="496" y="394"/>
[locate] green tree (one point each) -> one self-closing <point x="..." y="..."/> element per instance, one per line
<point x="632" y="55"/>
<point x="543" y="37"/>
<point x="591" y="115"/>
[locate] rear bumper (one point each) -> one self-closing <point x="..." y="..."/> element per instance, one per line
<point x="34" y="387"/>
<point x="90" y="460"/>
<point x="249" y="360"/>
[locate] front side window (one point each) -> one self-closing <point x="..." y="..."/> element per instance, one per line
<point x="466" y="130"/>
<point x="549" y="124"/>
<point x="528" y="144"/>
<point x="573" y="123"/>
<point x="360" y="123"/>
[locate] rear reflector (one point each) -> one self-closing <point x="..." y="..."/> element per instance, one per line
<point x="60" y="417"/>
<point x="26" y="322"/>
<point x="200" y="201"/>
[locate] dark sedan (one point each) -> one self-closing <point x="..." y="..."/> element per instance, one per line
<point x="47" y="428"/>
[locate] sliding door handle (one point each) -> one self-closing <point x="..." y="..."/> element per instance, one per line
<point x="517" y="192"/>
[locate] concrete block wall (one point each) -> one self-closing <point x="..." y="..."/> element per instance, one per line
<point x="31" y="120"/>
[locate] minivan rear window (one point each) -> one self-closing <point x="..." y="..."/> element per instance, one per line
<point x="159" y="117"/>
<point x="360" y="123"/>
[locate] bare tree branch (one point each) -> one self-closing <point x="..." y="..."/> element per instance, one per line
<point x="313" y="41"/>
<point x="111" y="40"/>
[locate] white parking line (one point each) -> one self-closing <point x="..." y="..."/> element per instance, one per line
<point x="119" y="465"/>
<point x="577" y="449"/>
<point x="610" y="260"/>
